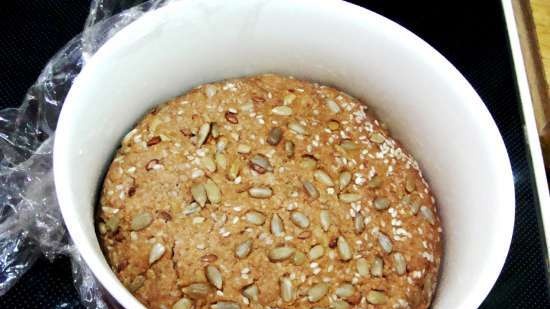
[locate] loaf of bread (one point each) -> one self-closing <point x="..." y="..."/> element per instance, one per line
<point x="268" y="192"/>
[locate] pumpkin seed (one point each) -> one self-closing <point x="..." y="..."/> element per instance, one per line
<point x="234" y="170"/>
<point x="333" y="106"/>
<point x="279" y="254"/>
<point x="299" y="219"/>
<point x="333" y="125"/>
<point x="297" y="128"/>
<point x="157" y="251"/>
<point x="287" y="290"/>
<point x="243" y="249"/>
<point x="381" y="203"/>
<point x="251" y="292"/>
<point x="212" y="191"/>
<point x="191" y="208"/>
<point x="316" y="292"/>
<point x="400" y="263"/>
<point x="221" y="160"/>
<point x="358" y="224"/>
<point x="260" y="192"/>
<point x="260" y="164"/>
<point x="316" y="252"/>
<point x="199" y="194"/>
<point x="427" y="214"/>
<point x="345" y="290"/>
<point x="208" y="163"/>
<point x="112" y="223"/>
<point x="255" y="217"/>
<point x="196" y="290"/>
<point x="277" y="226"/>
<point x="375" y="182"/>
<point x="350" y="197"/>
<point x="136" y="284"/>
<point x="299" y="258"/>
<point x="214" y="276"/>
<point x="320" y="236"/>
<point x="274" y="136"/>
<point x="289" y="98"/>
<point x="308" y="162"/>
<point x="226" y="305"/>
<point x="344" y="250"/>
<point x="282" y="110"/>
<point x="289" y="149"/>
<point x="362" y="267"/>
<point x="141" y="221"/>
<point x="322" y="177"/>
<point x="325" y="219"/>
<point x="376" y="297"/>
<point x="204" y="131"/>
<point x="339" y="304"/>
<point x="348" y="145"/>
<point x="344" y="179"/>
<point x="310" y="189"/>
<point x="385" y="242"/>
<point x="183" y="303"/>
<point x="377" y="268"/>
<point x="377" y="138"/>
<point x="243" y="148"/>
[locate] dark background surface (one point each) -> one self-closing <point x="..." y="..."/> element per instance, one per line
<point x="471" y="34"/>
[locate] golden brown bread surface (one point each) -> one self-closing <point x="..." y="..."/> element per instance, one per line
<point x="268" y="192"/>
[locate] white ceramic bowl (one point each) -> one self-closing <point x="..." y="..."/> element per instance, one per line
<point x="427" y="103"/>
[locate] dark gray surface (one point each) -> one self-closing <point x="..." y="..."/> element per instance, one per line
<point x="471" y="34"/>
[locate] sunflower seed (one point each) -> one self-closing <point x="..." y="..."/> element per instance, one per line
<point x="377" y="268"/>
<point x="260" y="164"/>
<point x="231" y="117"/>
<point x="199" y="194"/>
<point x="215" y="130"/>
<point x="255" y="217"/>
<point x="325" y="219"/>
<point x="427" y="214"/>
<point x="210" y="90"/>
<point x="287" y="290"/>
<point x="243" y="148"/>
<point x="339" y="304"/>
<point x="243" y="249"/>
<point x="320" y="236"/>
<point x="234" y="170"/>
<point x="282" y="110"/>
<point x="350" y="197"/>
<point x="280" y="253"/>
<point x="112" y="223"/>
<point x="362" y="267"/>
<point x="196" y="290"/>
<point x="410" y="184"/>
<point x="157" y="251"/>
<point x="377" y="138"/>
<point x="289" y="98"/>
<point x="322" y="177"/>
<point x="136" y="284"/>
<point x="299" y="219"/>
<point x="400" y="263"/>
<point x="345" y="290"/>
<point x="299" y="258"/>
<point x="225" y="305"/>
<point x="376" y="297"/>
<point x="212" y="191"/>
<point x="358" y="224"/>
<point x="277" y="226"/>
<point x="251" y="292"/>
<point x="348" y="145"/>
<point x="221" y="144"/>
<point x="214" y="276"/>
<point x="274" y="136"/>
<point x="316" y="252"/>
<point x="344" y="250"/>
<point x="308" y="162"/>
<point x="297" y="128"/>
<point x="141" y="221"/>
<point x="183" y="303"/>
<point x="344" y="179"/>
<point x="415" y="207"/>
<point x="204" y="131"/>
<point x="289" y="149"/>
<point x="310" y="189"/>
<point x="381" y="203"/>
<point x="316" y="292"/>
<point x="385" y="242"/>
<point x="333" y="106"/>
<point x="375" y="182"/>
<point x="221" y="160"/>
<point x="260" y="192"/>
<point x="208" y="164"/>
<point x="191" y="209"/>
<point x="333" y="125"/>
<point x="209" y="258"/>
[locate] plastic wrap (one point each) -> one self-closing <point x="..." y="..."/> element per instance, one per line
<point x="30" y="220"/>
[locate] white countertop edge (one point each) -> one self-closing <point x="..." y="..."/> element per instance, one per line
<point x="530" y="129"/>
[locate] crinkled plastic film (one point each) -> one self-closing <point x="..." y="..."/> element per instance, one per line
<point x="30" y="220"/>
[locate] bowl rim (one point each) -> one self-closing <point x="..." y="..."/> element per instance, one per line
<point x="353" y="12"/>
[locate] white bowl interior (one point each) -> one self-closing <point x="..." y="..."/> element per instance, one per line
<point x="428" y="105"/>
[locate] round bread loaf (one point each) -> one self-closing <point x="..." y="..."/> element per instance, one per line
<point x="268" y="192"/>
